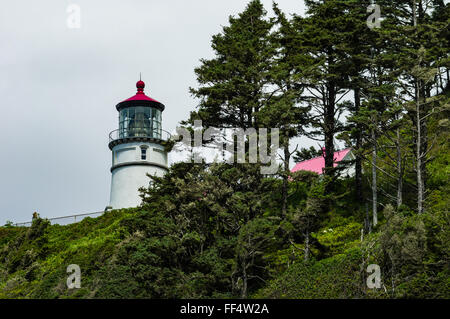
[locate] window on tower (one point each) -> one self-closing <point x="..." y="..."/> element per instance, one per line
<point x="143" y="153"/>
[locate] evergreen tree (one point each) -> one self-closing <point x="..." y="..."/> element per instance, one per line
<point x="420" y="35"/>
<point x="284" y="109"/>
<point x="357" y="48"/>
<point x="306" y="154"/>
<point x="232" y="84"/>
<point x="323" y="70"/>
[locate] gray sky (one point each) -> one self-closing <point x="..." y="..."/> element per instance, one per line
<point x="59" y="87"/>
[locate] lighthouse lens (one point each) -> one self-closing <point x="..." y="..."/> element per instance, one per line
<point x="140" y="121"/>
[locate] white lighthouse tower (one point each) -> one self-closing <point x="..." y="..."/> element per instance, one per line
<point x="137" y="148"/>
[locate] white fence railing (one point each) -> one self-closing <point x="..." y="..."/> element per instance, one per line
<point x="63" y="220"/>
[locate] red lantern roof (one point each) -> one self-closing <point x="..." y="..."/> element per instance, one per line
<point x="140" y="99"/>
<point x="140" y="95"/>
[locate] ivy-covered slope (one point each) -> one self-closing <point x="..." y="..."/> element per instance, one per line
<point x="33" y="260"/>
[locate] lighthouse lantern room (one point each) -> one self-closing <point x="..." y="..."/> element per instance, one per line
<point x="137" y="148"/>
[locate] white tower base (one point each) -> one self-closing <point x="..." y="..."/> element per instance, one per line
<point x="129" y="171"/>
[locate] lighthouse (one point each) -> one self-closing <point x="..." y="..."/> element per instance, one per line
<point x="137" y="148"/>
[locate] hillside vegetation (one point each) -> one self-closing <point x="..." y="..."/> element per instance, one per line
<point x="200" y="234"/>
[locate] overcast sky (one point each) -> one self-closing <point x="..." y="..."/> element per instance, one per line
<point x="59" y="87"/>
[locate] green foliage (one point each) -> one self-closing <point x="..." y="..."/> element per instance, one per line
<point x="33" y="260"/>
<point x="414" y="254"/>
<point x="335" y="277"/>
<point x="338" y="239"/>
<point x="306" y="154"/>
<point x="403" y="239"/>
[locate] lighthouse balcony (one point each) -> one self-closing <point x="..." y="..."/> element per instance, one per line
<point x="135" y="134"/>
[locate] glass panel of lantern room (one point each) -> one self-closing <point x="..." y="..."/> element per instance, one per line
<point x="159" y="122"/>
<point x="140" y="121"/>
<point x="139" y="124"/>
<point x="150" y="113"/>
<point x="148" y="120"/>
<point x="123" y="123"/>
<point x="156" y="120"/>
<point x="130" y="122"/>
<point x="144" y="121"/>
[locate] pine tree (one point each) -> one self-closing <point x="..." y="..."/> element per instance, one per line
<point x="419" y="35"/>
<point x="306" y="153"/>
<point x="323" y="70"/>
<point x="232" y="84"/>
<point x="284" y="109"/>
<point x="359" y="40"/>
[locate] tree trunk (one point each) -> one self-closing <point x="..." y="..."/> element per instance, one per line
<point x="420" y="190"/>
<point x="358" y="162"/>
<point x="374" y="180"/>
<point x="284" y="190"/>
<point x="244" y="281"/>
<point x="367" y="223"/>
<point x="420" y="125"/>
<point x="329" y="123"/>
<point x="399" y="171"/>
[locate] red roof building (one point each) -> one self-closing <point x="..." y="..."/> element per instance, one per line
<point x="317" y="164"/>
